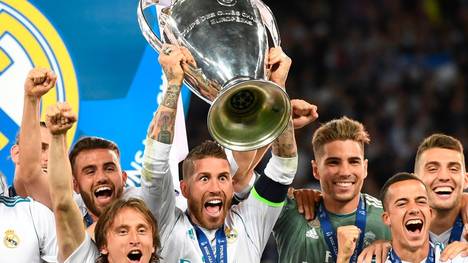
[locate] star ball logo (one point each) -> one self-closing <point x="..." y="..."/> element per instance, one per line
<point x="28" y="40"/>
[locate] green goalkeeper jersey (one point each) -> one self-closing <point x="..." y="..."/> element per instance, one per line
<point x="300" y="241"/>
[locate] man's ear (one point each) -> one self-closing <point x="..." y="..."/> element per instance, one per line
<point x="315" y="169"/>
<point x="14" y="153"/>
<point x="76" y="187"/>
<point x="104" y="250"/>
<point x="365" y="168"/>
<point x="124" y="178"/>
<point x="184" y="188"/>
<point x="386" y="218"/>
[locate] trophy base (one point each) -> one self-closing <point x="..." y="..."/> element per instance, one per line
<point x="249" y="114"/>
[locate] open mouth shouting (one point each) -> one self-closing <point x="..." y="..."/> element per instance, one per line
<point x="103" y="194"/>
<point x="134" y="255"/>
<point x="414" y="227"/>
<point x="443" y="192"/>
<point x="214" y="207"/>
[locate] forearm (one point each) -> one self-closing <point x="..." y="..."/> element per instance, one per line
<point x="69" y="223"/>
<point x="162" y="126"/>
<point x="30" y="141"/>
<point x="285" y="145"/>
<point x="157" y="186"/>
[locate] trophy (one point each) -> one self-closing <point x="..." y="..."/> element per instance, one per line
<point x="229" y="41"/>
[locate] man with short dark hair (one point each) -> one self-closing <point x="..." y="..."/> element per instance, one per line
<point x="440" y="164"/>
<point x="127" y="230"/>
<point x="211" y="230"/>
<point x="409" y="216"/>
<point x="347" y="220"/>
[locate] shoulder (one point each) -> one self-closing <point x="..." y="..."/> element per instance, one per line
<point x="14" y="201"/>
<point x="372" y="202"/>
<point x="87" y="252"/>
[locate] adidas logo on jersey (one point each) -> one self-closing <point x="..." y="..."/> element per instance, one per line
<point x="311" y="233"/>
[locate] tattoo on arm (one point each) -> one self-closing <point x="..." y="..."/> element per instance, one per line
<point x="171" y="96"/>
<point x="164" y="130"/>
<point x="285" y="145"/>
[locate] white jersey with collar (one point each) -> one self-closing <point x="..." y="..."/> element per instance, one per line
<point x="247" y="226"/>
<point x="87" y="252"/>
<point x="27" y="230"/>
<point x="445" y="236"/>
<point x="438" y="250"/>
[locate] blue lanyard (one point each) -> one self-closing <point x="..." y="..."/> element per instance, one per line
<point x="330" y="233"/>
<point x="88" y="219"/>
<point x="457" y="230"/>
<point x="205" y="246"/>
<point x="394" y="258"/>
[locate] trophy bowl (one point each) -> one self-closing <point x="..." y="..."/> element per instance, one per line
<point x="229" y="41"/>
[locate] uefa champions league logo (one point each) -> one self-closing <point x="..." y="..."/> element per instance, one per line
<point x="227" y="2"/>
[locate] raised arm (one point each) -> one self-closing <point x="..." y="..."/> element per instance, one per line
<point x="157" y="186"/>
<point x="69" y="222"/>
<point x="162" y="126"/>
<point x="31" y="177"/>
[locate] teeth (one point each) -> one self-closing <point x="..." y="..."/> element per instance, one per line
<point x="135" y="252"/>
<point x="444" y="189"/>
<point x="414" y="221"/>
<point x="344" y="183"/>
<point x="214" y="202"/>
<point x="103" y="188"/>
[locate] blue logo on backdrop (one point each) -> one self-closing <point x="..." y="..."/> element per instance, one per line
<point x="118" y="75"/>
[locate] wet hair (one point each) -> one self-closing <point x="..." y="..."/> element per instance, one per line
<point x="399" y="177"/>
<point x="106" y="220"/>
<point x="341" y="129"/>
<point x="91" y="143"/>
<point x="439" y="140"/>
<point x="202" y="151"/>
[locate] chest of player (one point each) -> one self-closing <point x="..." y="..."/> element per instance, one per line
<point x="19" y="240"/>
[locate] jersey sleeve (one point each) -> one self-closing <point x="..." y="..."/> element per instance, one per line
<point x="264" y="204"/>
<point x="87" y="252"/>
<point x="44" y="223"/>
<point x="157" y="188"/>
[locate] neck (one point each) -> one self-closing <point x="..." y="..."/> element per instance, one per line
<point x="341" y="207"/>
<point x="411" y="254"/>
<point x="444" y="220"/>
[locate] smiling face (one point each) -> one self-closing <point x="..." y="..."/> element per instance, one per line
<point x="209" y="191"/>
<point x="98" y="178"/>
<point x="408" y="214"/>
<point x="129" y="238"/>
<point x="341" y="169"/>
<point x="443" y="173"/>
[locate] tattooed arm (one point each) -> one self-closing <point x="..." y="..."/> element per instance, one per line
<point x="162" y="125"/>
<point x="279" y="62"/>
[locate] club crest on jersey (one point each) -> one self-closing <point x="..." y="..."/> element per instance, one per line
<point x="11" y="239"/>
<point x="28" y="40"/>
<point x="231" y="234"/>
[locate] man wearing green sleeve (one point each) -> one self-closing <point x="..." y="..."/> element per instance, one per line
<point x="347" y="220"/>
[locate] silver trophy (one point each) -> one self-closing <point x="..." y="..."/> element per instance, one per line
<point x="229" y="41"/>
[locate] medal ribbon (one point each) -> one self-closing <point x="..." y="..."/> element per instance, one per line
<point x="330" y="233"/>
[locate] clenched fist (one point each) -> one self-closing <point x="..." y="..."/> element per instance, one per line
<point x="38" y="82"/>
<point x="348" y="237"/>
<point x="303" y="113"/>
<point x="60" y="118"/>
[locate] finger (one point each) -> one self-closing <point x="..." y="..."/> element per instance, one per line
<point x="447" y="253"/>
<point x="308" y="206"/>
<point x="299" y="201"/>
<point x="362" y="256"/>
<point x="377" y="253"/>
<point x="385" y="251"/>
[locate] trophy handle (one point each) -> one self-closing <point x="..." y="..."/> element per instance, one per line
<point x="269" y="22"/>
<point x="148" y="33"/>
